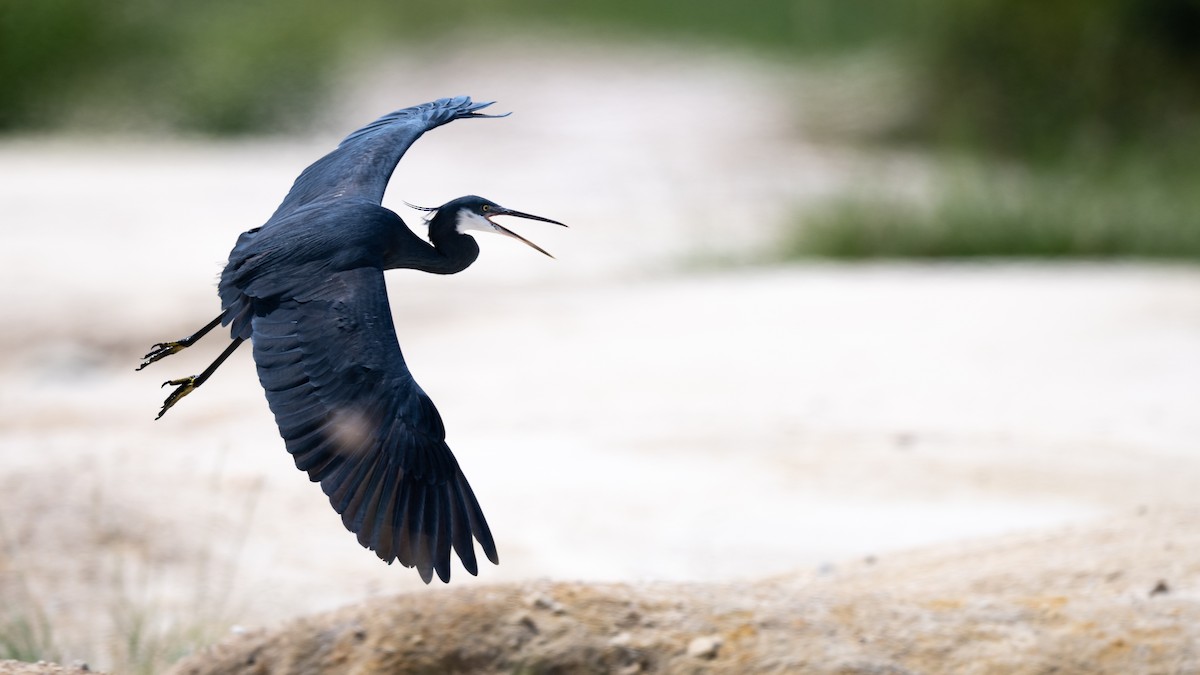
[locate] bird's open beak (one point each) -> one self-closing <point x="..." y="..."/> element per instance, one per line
<point x="505" y="231"/>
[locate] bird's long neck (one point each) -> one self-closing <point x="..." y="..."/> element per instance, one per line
<point x="450" y="253"/>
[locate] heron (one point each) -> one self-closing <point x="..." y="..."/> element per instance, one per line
<point x="307" y="290"/>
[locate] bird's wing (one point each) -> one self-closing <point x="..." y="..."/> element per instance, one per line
<point x="353" y="417"/>
<point x="362" y="163"/>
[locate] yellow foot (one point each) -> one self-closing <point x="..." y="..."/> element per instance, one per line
<point x="161" y="350"/>
<point x="184" y="386"/>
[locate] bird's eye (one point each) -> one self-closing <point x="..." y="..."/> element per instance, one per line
<point x="485" y="207"/>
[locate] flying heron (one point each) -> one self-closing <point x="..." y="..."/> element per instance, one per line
<point x="307" y="290"/>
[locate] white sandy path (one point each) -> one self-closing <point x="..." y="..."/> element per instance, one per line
<point x="617" y="422"/>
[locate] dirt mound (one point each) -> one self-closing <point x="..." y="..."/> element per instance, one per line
<point x="1121" y="598"/>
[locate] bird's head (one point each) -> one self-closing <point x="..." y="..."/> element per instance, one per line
<point x="472" y="213"/>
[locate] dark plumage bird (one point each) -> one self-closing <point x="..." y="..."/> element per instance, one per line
<point x="307" y="290"/>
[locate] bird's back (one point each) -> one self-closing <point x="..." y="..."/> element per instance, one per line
<point x="294" y="255"/>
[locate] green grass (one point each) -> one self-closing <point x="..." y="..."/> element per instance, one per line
<point x="26" y="633"/>
<point x="145" y="638"/>
<point x="983" y="213"/>
<point x="27" y="637"/>
<point x="122" y="622"/>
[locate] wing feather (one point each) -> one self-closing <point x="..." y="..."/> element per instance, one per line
<point x="382" y="532"/>
<point x="405" y="513"/>
<point x="360" y="489"/>
<point x="418" y="538"/>
<point x="478" y="524"/>
<point x="363" y="162"/>
<point x="460" y="533"/>
<point x="352" y="416"/>
<point x="442" y="541"/>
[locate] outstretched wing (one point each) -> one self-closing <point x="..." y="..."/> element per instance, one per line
<point x="362" y="163"/>
<point x="353" y="417"/>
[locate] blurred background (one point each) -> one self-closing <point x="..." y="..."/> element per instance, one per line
<point x="1070" y="120"/>
<point x="843" y="278"/>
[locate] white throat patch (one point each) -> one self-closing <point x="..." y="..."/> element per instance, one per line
<point x="469" y="220"/>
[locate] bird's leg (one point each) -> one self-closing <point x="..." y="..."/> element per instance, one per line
<point x="165" y="349"/>
<point x="187" y="385"/>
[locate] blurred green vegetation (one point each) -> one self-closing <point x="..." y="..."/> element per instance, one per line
<point x="1073" y="79"/>
<point x="216" y="67"/>
<point x="1077" y="91"/>
<point x="983" y="212"/>
<point x="229" y="66"/>
<point x="1022" y="77"/>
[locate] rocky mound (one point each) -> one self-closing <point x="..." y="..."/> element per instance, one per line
<point x="1119" y="598"/>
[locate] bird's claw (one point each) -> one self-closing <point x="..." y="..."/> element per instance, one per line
<point x="161" y="350"/>
<point x="184" y="386"/>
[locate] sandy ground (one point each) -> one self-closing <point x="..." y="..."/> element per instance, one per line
<point x="1114" y="598"/>
<point x="623" y="415"/>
